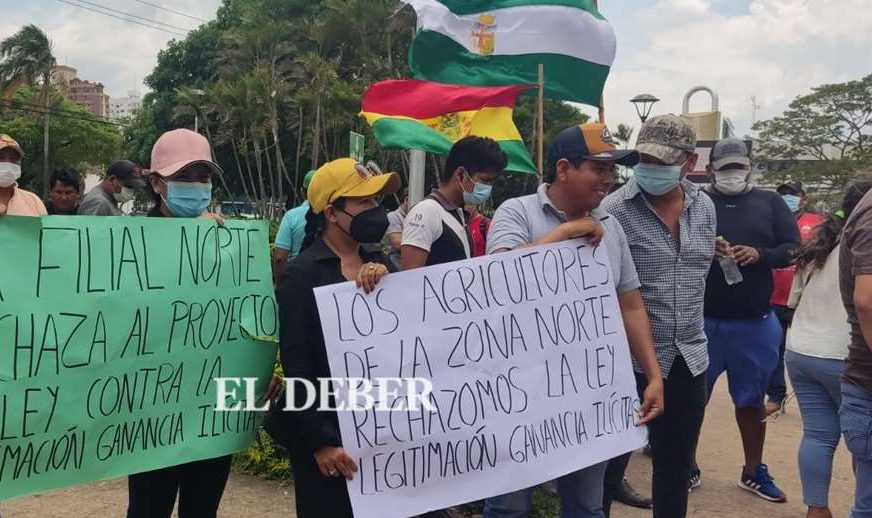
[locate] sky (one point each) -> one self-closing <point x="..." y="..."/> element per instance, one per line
<point x="773" y="50"/>
<point x="103" y="49"/>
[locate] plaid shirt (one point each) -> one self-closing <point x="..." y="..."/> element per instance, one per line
<point x="673" y="274"/>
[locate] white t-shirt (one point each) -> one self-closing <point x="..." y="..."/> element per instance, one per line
<point x="438" y="228"/>
<point x="820" y="325"/>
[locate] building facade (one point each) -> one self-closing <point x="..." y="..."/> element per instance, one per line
<point x="61" y="75"/>
<point x="125" y="107"/>
<point x="91" y="96"/>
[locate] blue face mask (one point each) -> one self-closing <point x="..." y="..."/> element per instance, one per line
<point x="480" y="194"/>
<point x="792" y="201"/>
<point x="657" y="179"/>
<point x="188" y="199"/>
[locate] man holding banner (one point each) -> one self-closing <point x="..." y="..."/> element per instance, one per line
<point x="581" y="171"/>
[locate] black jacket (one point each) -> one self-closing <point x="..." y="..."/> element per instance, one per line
<point x="759" y="219"/>
<point x="304" y="355"/>
<point x="303" y="352"/>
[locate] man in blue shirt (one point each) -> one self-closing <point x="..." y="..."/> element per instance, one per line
<point x="291" y="232"/>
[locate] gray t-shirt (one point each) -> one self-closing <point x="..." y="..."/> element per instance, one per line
<point x="523" y="220"/>
<point x="99" y="203"/>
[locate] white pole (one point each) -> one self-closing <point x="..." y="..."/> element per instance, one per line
<point x="417" y="159"/>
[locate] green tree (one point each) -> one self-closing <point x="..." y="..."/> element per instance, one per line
<point x="78" y="139"/>
<point x="305" y="64"/>
<point x="192" y="102"/>
<point x="230" y="100"/>
<point x="264" y="43"/>
<point x="27" y="57"/>
<point x="283" y="82"/>
<point x="825" y="133"/>
<point x="624" y="134"/>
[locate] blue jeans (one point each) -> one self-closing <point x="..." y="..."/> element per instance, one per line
<point x="818" y="390"/>
<point x="777" y="390"/>
<point x="856" y="416"/>
<point x="581" y="496"/>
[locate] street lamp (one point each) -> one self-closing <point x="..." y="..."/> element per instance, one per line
<point x="199" y="93"/>
<point x="643" y="104"/>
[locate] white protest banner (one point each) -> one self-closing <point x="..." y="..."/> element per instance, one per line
<point x="530" y="369"/>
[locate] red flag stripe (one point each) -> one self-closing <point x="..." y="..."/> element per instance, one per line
<point x="426" y="99"/>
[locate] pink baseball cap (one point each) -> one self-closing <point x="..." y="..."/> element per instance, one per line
<point x="177" y="149"/>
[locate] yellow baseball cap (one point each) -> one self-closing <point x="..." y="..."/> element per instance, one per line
<point x="345" y="178"/>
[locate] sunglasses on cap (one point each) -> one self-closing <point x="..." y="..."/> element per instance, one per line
<point x="364" y="173"/>
<point x="370" y="169"/>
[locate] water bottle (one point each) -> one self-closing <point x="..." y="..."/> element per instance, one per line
<point x="731" y="270"/>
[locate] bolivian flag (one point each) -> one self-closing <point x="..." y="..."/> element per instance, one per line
<point x="408" y="114"/>
<point x="503" y="42"/>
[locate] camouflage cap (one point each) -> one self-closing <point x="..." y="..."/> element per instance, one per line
<point x="665" y="137"/>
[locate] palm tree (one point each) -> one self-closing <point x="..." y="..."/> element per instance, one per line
<point x="624" y="134"/>
<point x="189" y="102"/>
<point x="27" y="56"/>
<point x="232" y="102"/>
<point x="263" y="46"/>
<point x="317" y="74"/>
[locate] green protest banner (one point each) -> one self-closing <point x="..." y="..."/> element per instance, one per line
<point x="112" y="331"/>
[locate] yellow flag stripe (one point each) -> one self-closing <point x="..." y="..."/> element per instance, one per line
<point x="496" y="123"/>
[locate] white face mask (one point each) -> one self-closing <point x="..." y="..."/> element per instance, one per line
<point x="127" y="194"/>
<point x="731" y="183"/>
<point x="9" y="173"/>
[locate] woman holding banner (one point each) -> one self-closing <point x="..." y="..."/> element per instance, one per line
<point x="181" y="182"/>
<point x="344" y="212"/>
<point x="181" y="175"/>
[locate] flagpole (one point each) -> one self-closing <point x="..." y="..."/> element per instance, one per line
<point x="602" y="104"/>
<point x="417" y="162"/>
<point x="540" y="123"/>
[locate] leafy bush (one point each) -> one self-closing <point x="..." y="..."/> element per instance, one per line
<point x="264" y="459"/>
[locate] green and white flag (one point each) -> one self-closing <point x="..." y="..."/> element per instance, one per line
<point x="502" y="42"/>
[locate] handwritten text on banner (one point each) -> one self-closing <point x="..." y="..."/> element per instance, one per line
<point x="111" y="332"/>
<point x="530" y="368"/>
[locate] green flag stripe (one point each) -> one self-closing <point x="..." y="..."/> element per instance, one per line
<point x="519" y="158"/>
<point x="437" y="57"/>
<point x="484" y="6"/>
<point x="411" y="134"/>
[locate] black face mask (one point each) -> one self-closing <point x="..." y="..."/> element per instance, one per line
<point x="369" y="226"/>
